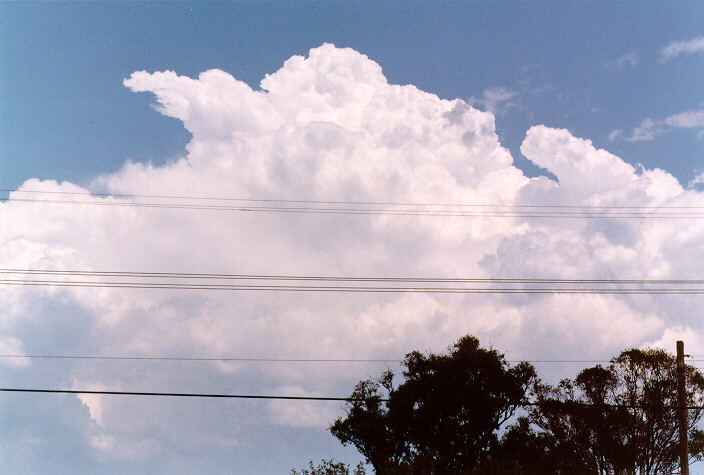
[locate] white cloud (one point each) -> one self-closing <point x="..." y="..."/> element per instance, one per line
<point x="12" y="346"/>
<point x="575" y="162"/>
<point x="103" y="442"/>
<point x="649" y="128"/>
<point x="697" y="180"/>
<point x="94" y="402"/>
<point x="674" y="49"/>
<point x="623" y="61"/>
<point x="688" y="119"/>
<point x="495" y="100"/>
<point x="614" y="134"/>
<point x="498" y="94"/>
<point x="328" y="127"/>
<point x="302" y="413"/>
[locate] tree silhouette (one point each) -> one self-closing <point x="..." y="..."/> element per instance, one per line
<point x="444" y="416"/>
<point x="620" y="419"/>
<point x="330" y="467"/>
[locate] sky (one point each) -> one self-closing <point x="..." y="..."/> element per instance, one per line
<point x="521" y="106"/>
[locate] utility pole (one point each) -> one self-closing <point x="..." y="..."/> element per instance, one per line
<point x="682" y="410"/>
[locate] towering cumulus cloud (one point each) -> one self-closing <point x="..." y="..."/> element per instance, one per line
<point x="324" y="128"/>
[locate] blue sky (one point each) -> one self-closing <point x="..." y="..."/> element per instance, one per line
<point x="66" y="115"/>
<point x="401" y="109"/>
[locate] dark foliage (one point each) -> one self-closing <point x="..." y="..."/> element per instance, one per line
<point x="443" y="418"/>
<point x="330" y="467"/>
<point x="620" y="419"/>
<point x="522" y="450"/>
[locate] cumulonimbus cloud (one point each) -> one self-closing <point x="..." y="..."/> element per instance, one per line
<point x="329" y="127"/>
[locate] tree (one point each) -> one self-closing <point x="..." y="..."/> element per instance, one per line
<point x="620" y="419"/>
<point x="522" y="450"/>
<point x="330" y="467"/>
<point x="443" y="418"/>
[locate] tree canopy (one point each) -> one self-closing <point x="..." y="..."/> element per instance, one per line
<point x="622" y="418"/>
<point x="446" y="414"/>
<point x="443" y="417"/>
<point x="330" y="467"/>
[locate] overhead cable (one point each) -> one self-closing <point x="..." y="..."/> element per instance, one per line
<point x="257" y="360"/>
<point x="222" y="359"/>
<point x="511" y="212"/>
<point x="322" y="278"/>
<point x="352" y="289"/>
<point x="370" y="203"/>
<point x="199" y="395"/>
<point x="343" y="399"/>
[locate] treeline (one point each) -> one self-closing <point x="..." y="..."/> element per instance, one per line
<point x="471" y="412"/>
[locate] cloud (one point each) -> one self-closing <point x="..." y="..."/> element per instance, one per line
<point x="12" y="346"/>
<point x="649" y="129"/>
<point x="674" y="49"/>
<point x="624" y="61"/>
<point x="495" y="100"/>
<point x="697" y="180"/>
<point x="688" y="119"/>
<point x="327" y="126"/>
<point x="614" y="134"/>
<point x="93" y="402"/>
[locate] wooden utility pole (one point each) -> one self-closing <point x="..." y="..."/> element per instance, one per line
<point x="682" y="410"/>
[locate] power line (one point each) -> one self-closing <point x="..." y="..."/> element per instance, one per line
<point x="332" y="398"/>
<point x="513" y="213"/>
<point x="369" y="203"/>
<point x="283" y="277"/>
<point x="257" y="360"/>
<point x="199" y="395"/>
<point x="354" y="289"/>
<point x="224" y="359"/>
<point x="311" y="283"/>
<point x="558" y="361"/>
